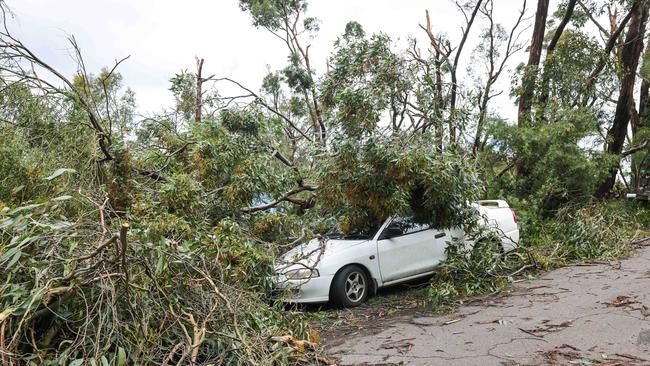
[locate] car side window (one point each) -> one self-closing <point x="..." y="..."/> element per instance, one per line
<point x="400" y="226"/>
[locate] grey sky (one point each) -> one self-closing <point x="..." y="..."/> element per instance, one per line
<point x="163" y="36"/>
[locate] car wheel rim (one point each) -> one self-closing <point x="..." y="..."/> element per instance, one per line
<point x="355" y="286"/>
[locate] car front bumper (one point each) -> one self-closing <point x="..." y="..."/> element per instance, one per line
<point x="313" y="290"/>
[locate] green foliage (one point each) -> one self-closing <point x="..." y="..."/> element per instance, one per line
<point x="270" y="13"/>
<point x="244" y="122"/>
<point x="574" y="58"/>
<point x="274" y="226"/>
<point x="106" y="90"/>
<point x="472" y="271"/>
<point x="296" y="76"/>
<point x="183" y="87"/>
<point x="558" y="170"/>
<point x="384" y="176"/>
<point x="366" y="79"/>
<point x="14" y="172"/>
<point x="578" y="234"/>
<point x="590" y="233"/>
<point x="182" y="195"/>
<point x="172" y="289"/>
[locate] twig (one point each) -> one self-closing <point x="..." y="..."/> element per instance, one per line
<point x="99" y="248"/>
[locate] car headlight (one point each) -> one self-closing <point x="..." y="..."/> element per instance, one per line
<point x="301" y="274"/>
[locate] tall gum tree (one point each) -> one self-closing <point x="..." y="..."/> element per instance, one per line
<point x="534" y="57"/>
<point x="630" y="55"/>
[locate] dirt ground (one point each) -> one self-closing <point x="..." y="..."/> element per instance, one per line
<point x="586" y="314"/>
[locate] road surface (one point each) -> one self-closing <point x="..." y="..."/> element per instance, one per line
<point x="585" y="314"/>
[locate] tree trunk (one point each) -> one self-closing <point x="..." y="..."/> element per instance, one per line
<point x="534" y="56"/>
<point x="551" y="48"/>
<point x="440" y="128"/>
<point x="644" y="101"/>
<point x="630" y="54"/>
<point x="641" y="122"/>
<point x="482" y="114"/>
<point x="199" y="91"/>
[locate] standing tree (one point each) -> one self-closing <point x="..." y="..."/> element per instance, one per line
<point x="445" y="50"/>
<point x="284" y="19"/>
<point x="630" y="54"/>
<point x="497" y="55"/>
<point x="534" y="57"/>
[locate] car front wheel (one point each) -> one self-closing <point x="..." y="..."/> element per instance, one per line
<point x="350" y="286"/>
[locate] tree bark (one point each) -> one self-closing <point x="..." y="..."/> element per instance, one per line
<point x="630" y="54"/>
<point x="551" y="49"/>
<point x="534" y="56"/>
<point x="199" y="91"/>
<point x="640" y="122"/>
<point x="560" y="28"/>
<point x="644" y="101"/>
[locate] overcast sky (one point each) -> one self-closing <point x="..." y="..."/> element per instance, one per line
<point x="163" y="36"/>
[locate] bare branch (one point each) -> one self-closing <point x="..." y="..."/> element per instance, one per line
<point x="591" y="79"/>
<point x="636" y="148"/>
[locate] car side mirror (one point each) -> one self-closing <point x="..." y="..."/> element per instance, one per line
<point x="390" y="232"/>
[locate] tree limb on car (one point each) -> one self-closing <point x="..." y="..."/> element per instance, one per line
<point x="289" y="197"/>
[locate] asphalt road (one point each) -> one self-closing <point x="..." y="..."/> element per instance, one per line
<point x="578" y="315"/>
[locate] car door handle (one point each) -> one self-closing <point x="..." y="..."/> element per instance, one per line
<point x="439" y="235"/>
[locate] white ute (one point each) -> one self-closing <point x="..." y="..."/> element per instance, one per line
<point x="346" y="268"/>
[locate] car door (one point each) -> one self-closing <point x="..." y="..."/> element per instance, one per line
<point x="406" y="248"/>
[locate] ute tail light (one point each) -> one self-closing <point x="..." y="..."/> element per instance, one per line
<point x="514" y="215"/>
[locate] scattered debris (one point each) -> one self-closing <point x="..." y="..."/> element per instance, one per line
<point x="402" y="346"/>
<point x="547" y="327"/>
<point x="620" y="301"/>
<point x="305" y="352"/>
<point x="629" y="357"/>
<point x="460" y="317"/>
<point x="564" y="345"/>
<point x="495" y="321"/>
<point x="322" y="360"/>
<point x="559" y="357"/>
<point x="452" y="321"/>
<point x="298" y="345"/>
<point x="529" y="332"/>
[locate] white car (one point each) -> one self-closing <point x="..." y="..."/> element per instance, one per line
<point x="346" y="268"/>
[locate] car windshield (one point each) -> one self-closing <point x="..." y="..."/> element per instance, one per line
<point x="367" y="232"/>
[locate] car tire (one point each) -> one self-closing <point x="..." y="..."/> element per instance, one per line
<point x="350" y="287"/>
<point x="491" y="244"/>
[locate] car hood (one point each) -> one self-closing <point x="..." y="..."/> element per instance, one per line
<point x="310" y="252"/>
